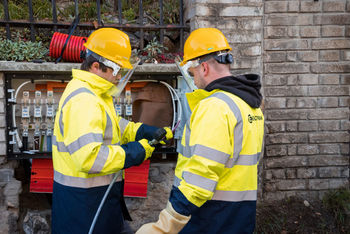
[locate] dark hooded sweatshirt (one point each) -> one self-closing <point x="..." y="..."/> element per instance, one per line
<point x="247" y="87"/>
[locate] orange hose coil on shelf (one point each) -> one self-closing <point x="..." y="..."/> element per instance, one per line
<point x="73" y="48"/>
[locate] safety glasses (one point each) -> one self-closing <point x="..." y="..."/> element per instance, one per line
<point x="108" y="63"/>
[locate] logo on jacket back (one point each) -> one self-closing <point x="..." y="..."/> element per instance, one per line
<point x="252" y="118"/>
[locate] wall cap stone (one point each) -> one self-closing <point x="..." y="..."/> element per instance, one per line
<point x="50" y="67"/>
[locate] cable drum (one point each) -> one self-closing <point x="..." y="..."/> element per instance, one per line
<point x="73" y="48"/>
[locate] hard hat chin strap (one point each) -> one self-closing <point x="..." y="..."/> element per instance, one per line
<point x="108" y="63"/>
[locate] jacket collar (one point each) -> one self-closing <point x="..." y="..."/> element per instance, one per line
<point x="99" y="84"/>
<point x="196" y="96"/>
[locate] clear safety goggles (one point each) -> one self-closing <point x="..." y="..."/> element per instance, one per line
<point x="190" y="64"/>
<point x="108" y="63"/>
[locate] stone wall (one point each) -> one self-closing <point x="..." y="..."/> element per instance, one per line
<point x="240" y="21"/>
<point x="306" y="84"/>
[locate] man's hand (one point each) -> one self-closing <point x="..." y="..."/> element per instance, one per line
<point x="169" y="135"/>
<point x="148" y="148"/>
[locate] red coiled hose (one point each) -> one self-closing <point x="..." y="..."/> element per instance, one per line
<point x="73" y="47"/>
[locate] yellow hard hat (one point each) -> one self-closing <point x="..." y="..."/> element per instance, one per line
<point x="204" y="41"/>
<point x="111" y="44"/>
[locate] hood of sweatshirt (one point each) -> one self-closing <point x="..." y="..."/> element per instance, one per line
<point x="247" y="87"/>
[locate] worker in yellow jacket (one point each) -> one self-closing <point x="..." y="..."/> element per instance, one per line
<point x="91" y="142"/>
<point x="215" y="187"/>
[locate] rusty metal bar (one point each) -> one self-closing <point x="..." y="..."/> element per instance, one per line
<point x="131" y="27"/>
<point x="7" y="19"/>
<point x="31" y="20"/>
<point x="76" y="5"/>
<point x="98" y="5"/>
<point x="161" y="22"/>
<point x="120" y="10"/>
<point x="115" y="5"/>
<point x="141" y="23"/>
<point x="181" y="25"/>
<point x="54" y="14"/>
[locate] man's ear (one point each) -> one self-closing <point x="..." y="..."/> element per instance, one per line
<point x="205" y="68"/>
<point x="95" y="66"/>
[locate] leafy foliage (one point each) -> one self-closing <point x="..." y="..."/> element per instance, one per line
<point x="338" y="202"/>
<point x="19" y="9"/>
<point x="87" y="11"/>
<point x="129" y="14"/>
<point x="21" y="50"/>
<point x="152" y="50"/>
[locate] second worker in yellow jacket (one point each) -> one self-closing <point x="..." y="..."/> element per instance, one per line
<point x="215" y="187"/>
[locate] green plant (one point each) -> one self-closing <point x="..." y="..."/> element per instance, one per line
<point x="338" y="202"/>
<point x="151" y="52"/>
<point x="87" y="11"/>
<point x="129" y="14"/>
<point x="19" y="9"/>
<point x="21" y="50"/>
<point x="171" y="12"/>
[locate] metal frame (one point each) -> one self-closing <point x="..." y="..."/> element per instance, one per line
<point x="55" y="25"/>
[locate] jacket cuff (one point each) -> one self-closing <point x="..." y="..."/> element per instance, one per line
<point x="180" y="203"/>
<point x="134" y="154"/>
<point x="145" y="131"/>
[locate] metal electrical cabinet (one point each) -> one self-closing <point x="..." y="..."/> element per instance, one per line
<point x="154" y="96"/>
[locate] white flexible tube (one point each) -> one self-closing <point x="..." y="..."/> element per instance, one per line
<point x="178" y="100"/>
<point x="172" y="93"/>
<point x="103" y="201"/>
<point x="18" y="139"/>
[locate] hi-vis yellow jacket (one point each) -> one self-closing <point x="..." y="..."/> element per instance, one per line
<point x="216" y="172"/>
<point x="88" y="133"/>
<point x="91" y="143"/>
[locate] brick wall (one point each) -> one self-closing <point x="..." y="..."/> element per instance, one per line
<point x="240" y="21"/>
<point x="306" y="86"/>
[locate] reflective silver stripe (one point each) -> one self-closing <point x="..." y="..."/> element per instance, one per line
<point x="249" y="195"/>
<point x="210" y="153"/>
<point x="80" y="142"/>
<point x="177" y="181"/>
<point x="186" y="150"/>
<point x="187" y="133"/>
<point x="235" y="196"/>
<point x="107" y="139"/>
<point x="122" y="125"/>
<point x="74" y="93"/>
<point x="238" y="131"/>
<point x="60" y="145"/>
<point x="244" y="160"/>
<point x="61" y="123"/>
<point x="199" y="181"/>
<point x="100" y="160"/>
<point x="84" y="182"/>
<point x="84" y="140"/>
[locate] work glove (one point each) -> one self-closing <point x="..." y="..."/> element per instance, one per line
<point x="169" y="135"/>
<point x="169" y="222"/>
<point x="148" y="148"/>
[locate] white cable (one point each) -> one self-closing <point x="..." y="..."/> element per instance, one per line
<point x="172" y="97"/>
<point x="172" y="91"/>
<point x="178" y="100"/>
<point x="18" y="139"/>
